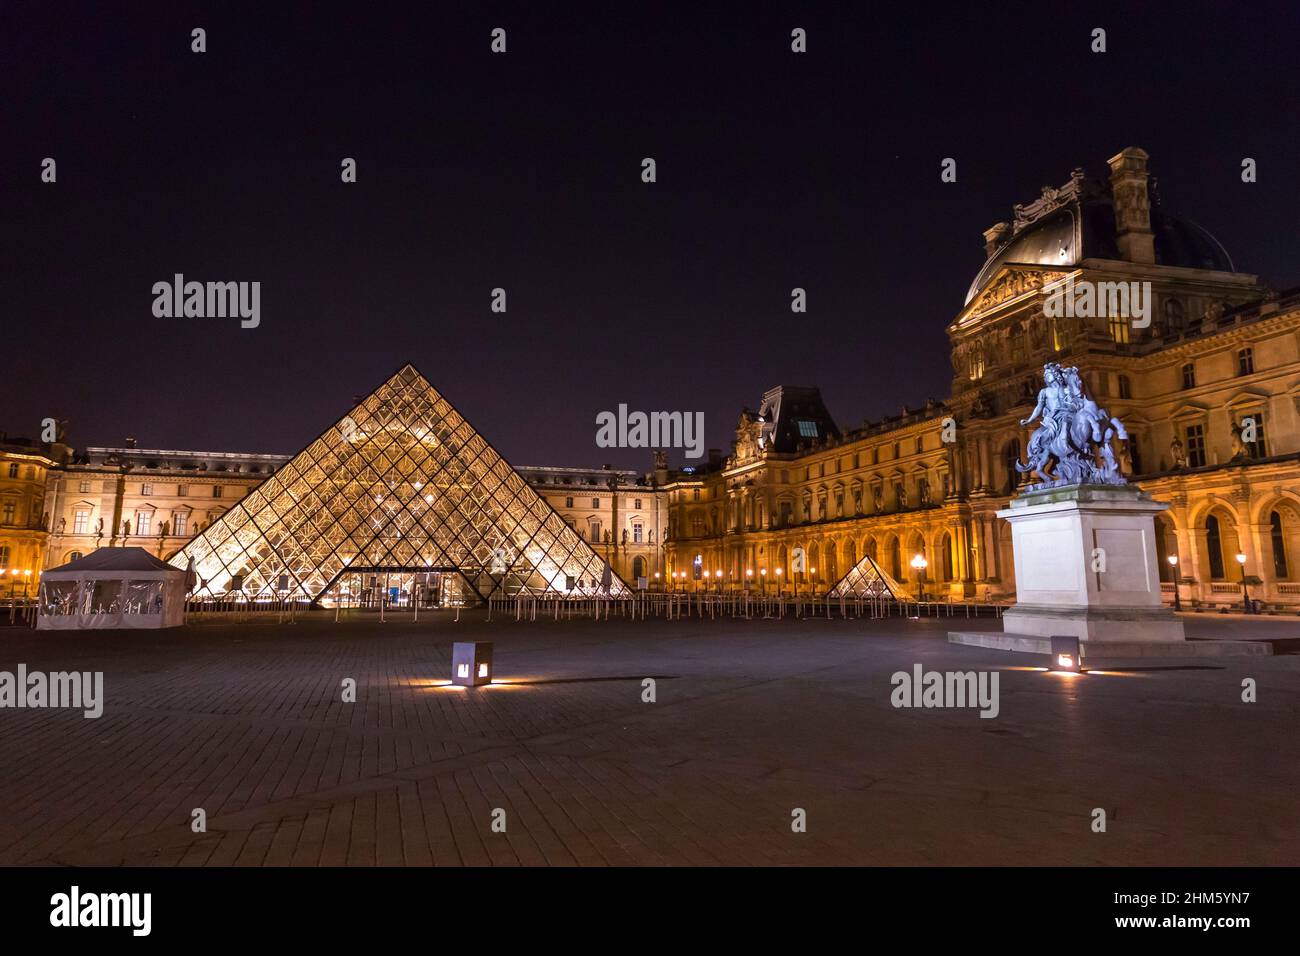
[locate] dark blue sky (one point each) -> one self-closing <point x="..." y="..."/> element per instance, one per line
<point x="523" y="171"/>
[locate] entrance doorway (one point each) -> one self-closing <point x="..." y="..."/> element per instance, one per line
<point x="399" y="588"/>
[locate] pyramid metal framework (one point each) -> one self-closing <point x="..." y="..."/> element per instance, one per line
<point x="864" y="579"/>
<point x="402" y="482"/>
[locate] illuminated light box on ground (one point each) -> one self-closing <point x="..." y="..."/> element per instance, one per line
<point x="471" y="663"/>
<point x="1065" y="653"/>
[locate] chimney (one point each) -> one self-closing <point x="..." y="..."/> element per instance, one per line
<point x="995" y="236"/>
<point x="1128" y="185"/>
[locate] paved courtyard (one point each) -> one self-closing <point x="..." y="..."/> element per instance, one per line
<point x="753" y="719"/>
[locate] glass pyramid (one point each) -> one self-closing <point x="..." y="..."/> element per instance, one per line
<point x="864" y="580"/>
<point x="400" y="483"/>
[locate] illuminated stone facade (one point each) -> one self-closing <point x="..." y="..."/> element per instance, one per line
<point x="1208" y="384"/>
<point x="1217" y="351"/>
<point x="147" y="498"/>
<point x="25" y="468"/>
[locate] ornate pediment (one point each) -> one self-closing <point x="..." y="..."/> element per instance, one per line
<point x="1052" y="199"/>
<point x="1010" y="284"/>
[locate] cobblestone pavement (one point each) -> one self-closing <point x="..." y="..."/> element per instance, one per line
<point x="752" y="720"/>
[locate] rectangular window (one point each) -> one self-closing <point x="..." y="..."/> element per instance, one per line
<point x="182" y="491"/>
<point x="1189" y="376"/>
<point x="13" y="471"/>
<point x="80" y="522"/>
<point x="593" y="529"/>
<point x="807" y="429"/>
<point x="595" y="502"/>
<point x="216" y="491"/>
<point x="4" y="555"/>
<point x="1119" y="329"/>
<point x="1195" y="446"/>
<point x="84" y="488"/>
<point x="1125" y="388"/>
<point x="146" y="489"/>
<point x="9" y="512"/>
<point x="1252" y="434"/>
<point x="1245" y="361"/>
<point x="179" y="520"/>
<point x="568" y="502"/>
<point x="636" y="532"/>
<point x="142" y="522"/>
<point x="636" y="503"/>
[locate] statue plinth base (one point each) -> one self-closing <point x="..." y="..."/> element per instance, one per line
<point x="1086" y="565"/>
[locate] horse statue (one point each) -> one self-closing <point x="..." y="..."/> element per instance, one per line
<point x="1072" y="445"/>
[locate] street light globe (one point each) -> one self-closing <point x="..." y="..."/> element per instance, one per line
<point x="919" y="562"/>
<point x="762" y="571"/>
<point x="778" y="571"/>
<point x="1173" y="560"/>
<point x="1241" y="557"/>
<point x="749" y="572"/>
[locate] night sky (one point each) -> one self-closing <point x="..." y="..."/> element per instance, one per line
<point x="522" y="171"/>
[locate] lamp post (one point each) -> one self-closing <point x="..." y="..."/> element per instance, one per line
<point x="920" y="564"/>
<point x="778" y="581"/>
<point x="27" y="583"/>
<point x="812" y="579"/>
<point x="749" y="578"/>
<point x="762" y="581"/>
<point x="1173" y="563"/>
<point x="717" y="576"/>
<point x="1245" y="595"/>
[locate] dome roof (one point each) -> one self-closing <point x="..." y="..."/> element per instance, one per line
<point x="1085" y="229"/>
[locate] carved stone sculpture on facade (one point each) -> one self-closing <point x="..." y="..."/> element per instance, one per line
<point x="1074" y="443"/>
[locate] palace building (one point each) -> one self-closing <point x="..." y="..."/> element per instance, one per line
<point x="1205" y="376"/>
<point x="1208" y="386"/>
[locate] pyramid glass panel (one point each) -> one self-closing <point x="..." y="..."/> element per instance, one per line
<point x="865" y="580"/>
<point x="400" y="483"/>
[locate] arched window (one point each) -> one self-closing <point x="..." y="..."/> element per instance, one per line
<point x="896" y="559"/>
<point x="1214" y="543"/>
<point x="638" y="567"/>
<point x="1280" y="566"/>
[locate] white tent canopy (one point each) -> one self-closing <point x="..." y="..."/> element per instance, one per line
<point x="112" y="587"/>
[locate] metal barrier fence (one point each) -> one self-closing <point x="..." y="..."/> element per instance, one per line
<point x="529" y="607"/>
<point x="229" y="610"/>
<point x="561" y="607"/>
<point x="19" y="613"/>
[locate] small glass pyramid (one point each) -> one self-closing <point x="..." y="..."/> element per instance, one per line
<point x="402" y="483"/>
<point x="863" y="580"/>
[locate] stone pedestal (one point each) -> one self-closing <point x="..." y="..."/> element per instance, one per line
<point x="1062" y="538"/>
